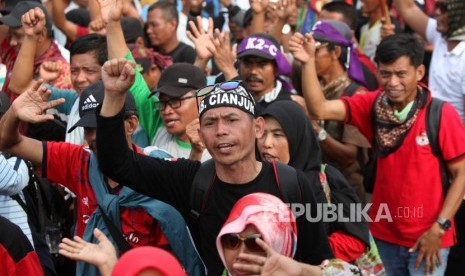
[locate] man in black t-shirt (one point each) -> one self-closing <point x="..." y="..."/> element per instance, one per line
<point x="162" y="22"/>
<point x="228" y="129"/>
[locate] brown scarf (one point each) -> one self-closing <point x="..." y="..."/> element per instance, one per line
<point x="389" y="131"/>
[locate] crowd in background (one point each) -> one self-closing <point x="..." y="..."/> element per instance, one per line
<point x="173" y="137"/>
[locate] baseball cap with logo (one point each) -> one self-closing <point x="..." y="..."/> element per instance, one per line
<point x="90" y="99"/>
<point x="180" y="78"/>
<point x="261" y="45"/>
<point x="13" y="19"/>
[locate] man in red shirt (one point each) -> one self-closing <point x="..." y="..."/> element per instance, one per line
<point x="411" y="217"/>
<point x="75" y="166"/>
<point x="45" y="47"/>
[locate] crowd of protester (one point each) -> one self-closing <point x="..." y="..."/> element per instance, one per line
<point x="232" y="137"/>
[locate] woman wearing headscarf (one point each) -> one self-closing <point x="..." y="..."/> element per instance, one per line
<point x="289" y="138"/>
<point x="340" y="73"/>
<point x="260" y="237"/>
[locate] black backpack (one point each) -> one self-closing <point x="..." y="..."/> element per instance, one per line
<point x="285" y="176"/>
<point x="433" y="123"/>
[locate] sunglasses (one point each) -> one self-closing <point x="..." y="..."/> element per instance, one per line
<point x="226" y="86"/>
<point x="174" y="103"/>
<point x="320" y="45"/>
<point x="234" y="240"/>
<point x="441" y="5"/>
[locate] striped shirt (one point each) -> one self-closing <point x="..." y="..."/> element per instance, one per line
<point x="14" y="177"/>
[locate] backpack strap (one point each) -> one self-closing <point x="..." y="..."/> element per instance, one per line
<point x="117" y="235"/>
<point x="287" y="183"/>
<point x="351" y="89"/>
<point x="201" y="187"/>
<point x="433" y="123"/>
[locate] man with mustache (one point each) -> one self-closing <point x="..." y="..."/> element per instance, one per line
<point x="262" y="68"/>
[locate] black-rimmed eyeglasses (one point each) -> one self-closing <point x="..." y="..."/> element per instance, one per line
<point x="174" y="103"/>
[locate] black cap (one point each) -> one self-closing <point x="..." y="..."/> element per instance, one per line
<point x="90" y="99"/>
<point x="13" y="19"/>
<point x="180" y="78"/>
<point x="4" y="103"/>
<point x="10" y="4"/>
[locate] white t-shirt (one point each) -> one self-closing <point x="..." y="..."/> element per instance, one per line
<point x="370" y="38"/>
<point x="447" y="70"/>
<point x="177" y="148"/>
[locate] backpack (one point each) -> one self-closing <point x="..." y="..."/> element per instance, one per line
<point x="433" y="123"/>
<point x="107" y="218"/>
<point x="285" y="176"/>
<point x="42" y="215"/>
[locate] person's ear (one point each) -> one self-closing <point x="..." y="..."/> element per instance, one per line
<point x="139" y="41"/>
<point x="336" y="52"/>
<point x="420" y="72"/>
<point x="259" y="127"/>
<point x="132" y="123"/>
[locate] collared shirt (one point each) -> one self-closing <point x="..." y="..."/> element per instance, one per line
<point x="447" y="70"/>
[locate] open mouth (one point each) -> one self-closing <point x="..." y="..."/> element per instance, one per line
<point x="268" y="157"/>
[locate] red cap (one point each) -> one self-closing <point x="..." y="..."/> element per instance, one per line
<point x="141" y="258"/>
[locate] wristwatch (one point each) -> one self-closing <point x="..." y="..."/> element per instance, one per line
<point x="322" y="135"/>
<point x="444" y="223"/>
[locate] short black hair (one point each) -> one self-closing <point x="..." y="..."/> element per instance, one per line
<point x="168" y="8"/>
<point x="91" y="43"/>
<point x="348" y="12"/>
<point x="392" y="47"/>
<point x="343" y="56"/>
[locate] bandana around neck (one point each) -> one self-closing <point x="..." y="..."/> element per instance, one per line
<point x="390" y="131"/>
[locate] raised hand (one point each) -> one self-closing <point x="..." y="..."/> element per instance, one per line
<point x="285" y="9"/>
<point x="31" y="105"/>
<point x="97" y="26"/>
<point x="50" y="71"/>
<point x="302" y="47"/>
<point x="273" y="264"/>
<point x="118" y="75"/>
<point x="192" y="132"/>
<point x="100" y="254"/>
<point x="258" y="6"/>
<point x="200" y="38"/>
<point x="387" y="28"/>
<point x="33" y="22"/>
<point x="110" y="10"/>
<point x="223" y="54"/>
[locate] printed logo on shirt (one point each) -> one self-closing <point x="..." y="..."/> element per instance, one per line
<point x="422" y="139"/>
<point x="85" y="201"/>
<point x="89" y="103"/>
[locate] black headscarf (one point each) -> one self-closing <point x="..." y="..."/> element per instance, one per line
<point x="305" y="155"/>
<point x="304" y="149"/>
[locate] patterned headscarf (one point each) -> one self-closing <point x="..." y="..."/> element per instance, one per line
<point x="272" y="218"/>
<point x="456" y="19"/>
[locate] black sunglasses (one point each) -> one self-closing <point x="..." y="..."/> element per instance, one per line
<point x="234" y="240"/>
<point x="174" y="103"/>
<point x="226" y="86"/>
<point x="441" y="5"/>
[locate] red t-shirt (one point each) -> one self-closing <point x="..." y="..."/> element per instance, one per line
<point x="408" y="181"/>
<point x="68" y="164"/>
